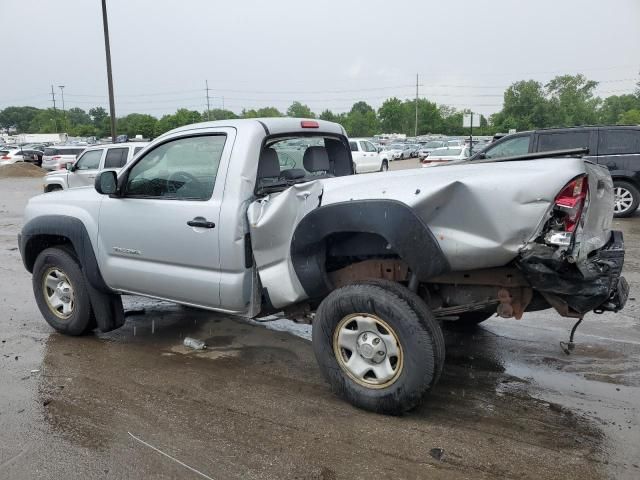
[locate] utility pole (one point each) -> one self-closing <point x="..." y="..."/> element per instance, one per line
<point x="107" y="48"/>
<point x="416" y="129"/>
<point x="64" y="113"/>
<point x="206" y="82"/>
<point x="55" y="112"/>
<point x="222" y="103"/>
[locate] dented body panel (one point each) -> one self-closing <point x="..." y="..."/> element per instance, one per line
<point x="481" y="215"/>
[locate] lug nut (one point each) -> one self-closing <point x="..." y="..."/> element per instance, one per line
<point x="364" y="337"/>
<point x="376" y="341"/>
<point x="380" y="352"/>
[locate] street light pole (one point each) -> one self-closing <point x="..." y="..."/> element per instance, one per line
<point x="64" y="113"/>
<point x="107" y="48"/>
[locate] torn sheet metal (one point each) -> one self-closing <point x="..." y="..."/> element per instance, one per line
<point x="482" y="215"/>
<point x="272" y="221"/>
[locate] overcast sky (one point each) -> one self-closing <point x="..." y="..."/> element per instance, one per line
<point x="327" y="54"/>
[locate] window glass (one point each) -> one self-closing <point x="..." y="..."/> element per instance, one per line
<point x="618" y="142"/>
<point x="90" y="160"/>
<point x="353" y="146"/>
<point x="49" y="152"/>
<point x="185" y="168"/>
<point x="137" y="149"/>
<point x="509" y="148"/>
<point x="370" y="147"/>
<point x="116" y="157"/>
<point x="563" y="140"/>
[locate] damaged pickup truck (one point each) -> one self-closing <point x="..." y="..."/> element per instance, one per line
<point x="251" y="217"/>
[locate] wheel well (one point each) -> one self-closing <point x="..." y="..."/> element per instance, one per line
<point x="52" y="188"/>
<point x="39" y="243"/>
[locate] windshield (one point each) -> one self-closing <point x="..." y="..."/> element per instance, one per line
<point x="433" y="145"/>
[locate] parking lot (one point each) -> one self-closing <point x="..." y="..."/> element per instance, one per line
<point x="511" y="404"/>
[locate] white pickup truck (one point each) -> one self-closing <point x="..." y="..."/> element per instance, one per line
<point x="211" y="215"/>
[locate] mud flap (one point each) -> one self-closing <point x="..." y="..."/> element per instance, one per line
<point x="107" y="309"/>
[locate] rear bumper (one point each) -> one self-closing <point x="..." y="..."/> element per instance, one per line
<point x="596" y="284"/>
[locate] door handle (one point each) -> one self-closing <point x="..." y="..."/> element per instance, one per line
<point x="201" y="222"/>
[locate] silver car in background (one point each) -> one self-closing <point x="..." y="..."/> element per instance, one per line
<point x="441" y="156"/>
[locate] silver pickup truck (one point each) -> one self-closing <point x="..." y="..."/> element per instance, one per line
<point x="229" y="216"/>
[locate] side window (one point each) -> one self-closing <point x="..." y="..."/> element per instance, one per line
<point x="370" y="147"/>
<point x="509" y="147"/>
<point x="116" y="157"/>
<point x="563" y="140"/>
<point x="181" y="169"/>
<point x="353" y="146"/>
<point x="89" y="160"/>
<point x="136" y="150"/>
<point x="618" y="142"/>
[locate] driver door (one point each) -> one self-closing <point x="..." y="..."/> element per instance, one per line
<point x="85" y="169"/>
<point x="160" y="236"/>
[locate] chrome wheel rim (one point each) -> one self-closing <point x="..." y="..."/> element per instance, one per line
<point x="623" y="200"/>
<point x="58" y="293"/>
<point x="368" y="350"/>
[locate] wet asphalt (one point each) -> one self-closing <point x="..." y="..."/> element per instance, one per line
<point x="510" y="404"/>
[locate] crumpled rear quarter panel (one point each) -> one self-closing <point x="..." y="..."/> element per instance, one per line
<point x="480" y="214"/>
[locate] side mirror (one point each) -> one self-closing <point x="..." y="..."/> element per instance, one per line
<point x="106" y="182"/>
<point x="69" y="166"/>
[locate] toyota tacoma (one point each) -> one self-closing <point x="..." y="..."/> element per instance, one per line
<point x="235" y="216"/>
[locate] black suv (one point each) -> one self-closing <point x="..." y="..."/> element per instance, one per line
<point x="616" y="147"/>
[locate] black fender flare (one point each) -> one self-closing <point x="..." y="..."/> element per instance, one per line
<point x="50" y="230"/>
<point x="406" y="233"/>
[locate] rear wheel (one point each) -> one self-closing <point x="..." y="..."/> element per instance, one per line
<point x="61" y="292"/>
<point x="375" y="350"/>
<point x="385" y="166"/>
<point x="53" y="188"/>
<point x="626" y="199"/>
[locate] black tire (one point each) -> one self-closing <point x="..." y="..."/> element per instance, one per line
<point x="635" y="198"/>
<point x="422" y="353"/>
<point x="81" y="320"/>
<point x="53" y="188"/>
<point x="402" y="156"/>
<point x="384" y="167"/>
<point x="424" y="314"/>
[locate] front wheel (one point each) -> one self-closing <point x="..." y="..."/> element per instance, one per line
<point x="375" y="349"/>
<point x="61" y="292"/>
<point x="626" y="199"/>
<point x="384" y="167"/>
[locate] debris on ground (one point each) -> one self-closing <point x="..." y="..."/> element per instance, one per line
<point x="437" y="453"/>
<point x="194" y="344"/>
<point x="21" y="169"/>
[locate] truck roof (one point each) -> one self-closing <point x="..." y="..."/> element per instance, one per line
<point x="271" y="125"/>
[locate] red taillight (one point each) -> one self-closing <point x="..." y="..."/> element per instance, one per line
<point x="571" y="201"/>
<point x="6" y="157"/>
<point x="309" y="124"/>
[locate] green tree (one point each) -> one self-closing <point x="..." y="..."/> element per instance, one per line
<point x="572" y="101"/>
<point x="98" y="114"/>
<point x="300" y="110"/>
<point x="616" y="105"/>
<point x="76" y="117"/>
<point x="329" y="116"/>
<point x="46" y="121"/>
<point x="219" y="114"/>
<point x="361" y="121"/>
<point x="525" y="107"/>
<point x="137" y="124"/>
<point x="631" y="117"/>
<point x="182" y="117"/>
<point x="392" y="116"/>
<point x="19" y="118"/>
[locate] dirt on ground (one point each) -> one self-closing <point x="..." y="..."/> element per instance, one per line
<point x="21" y="169"/>
<point x="135" y="403"/>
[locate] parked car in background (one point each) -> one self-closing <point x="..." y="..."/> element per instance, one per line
<point x="428" y="147"/>
<point x="616" y="147"/>
<point x="366" y="157"/>
<point x="413" y="147"/>
<point x="11" y="155"/>
<point x="33" y="155"/>
<point x="440" y="156"/>
<point x="399" y="151"/>
<point x="455" y="142"/>
<point x="94" y="159"/>
<point x="56" y="157"/>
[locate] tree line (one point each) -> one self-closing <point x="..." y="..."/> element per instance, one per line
<point x="566" y="100"/>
